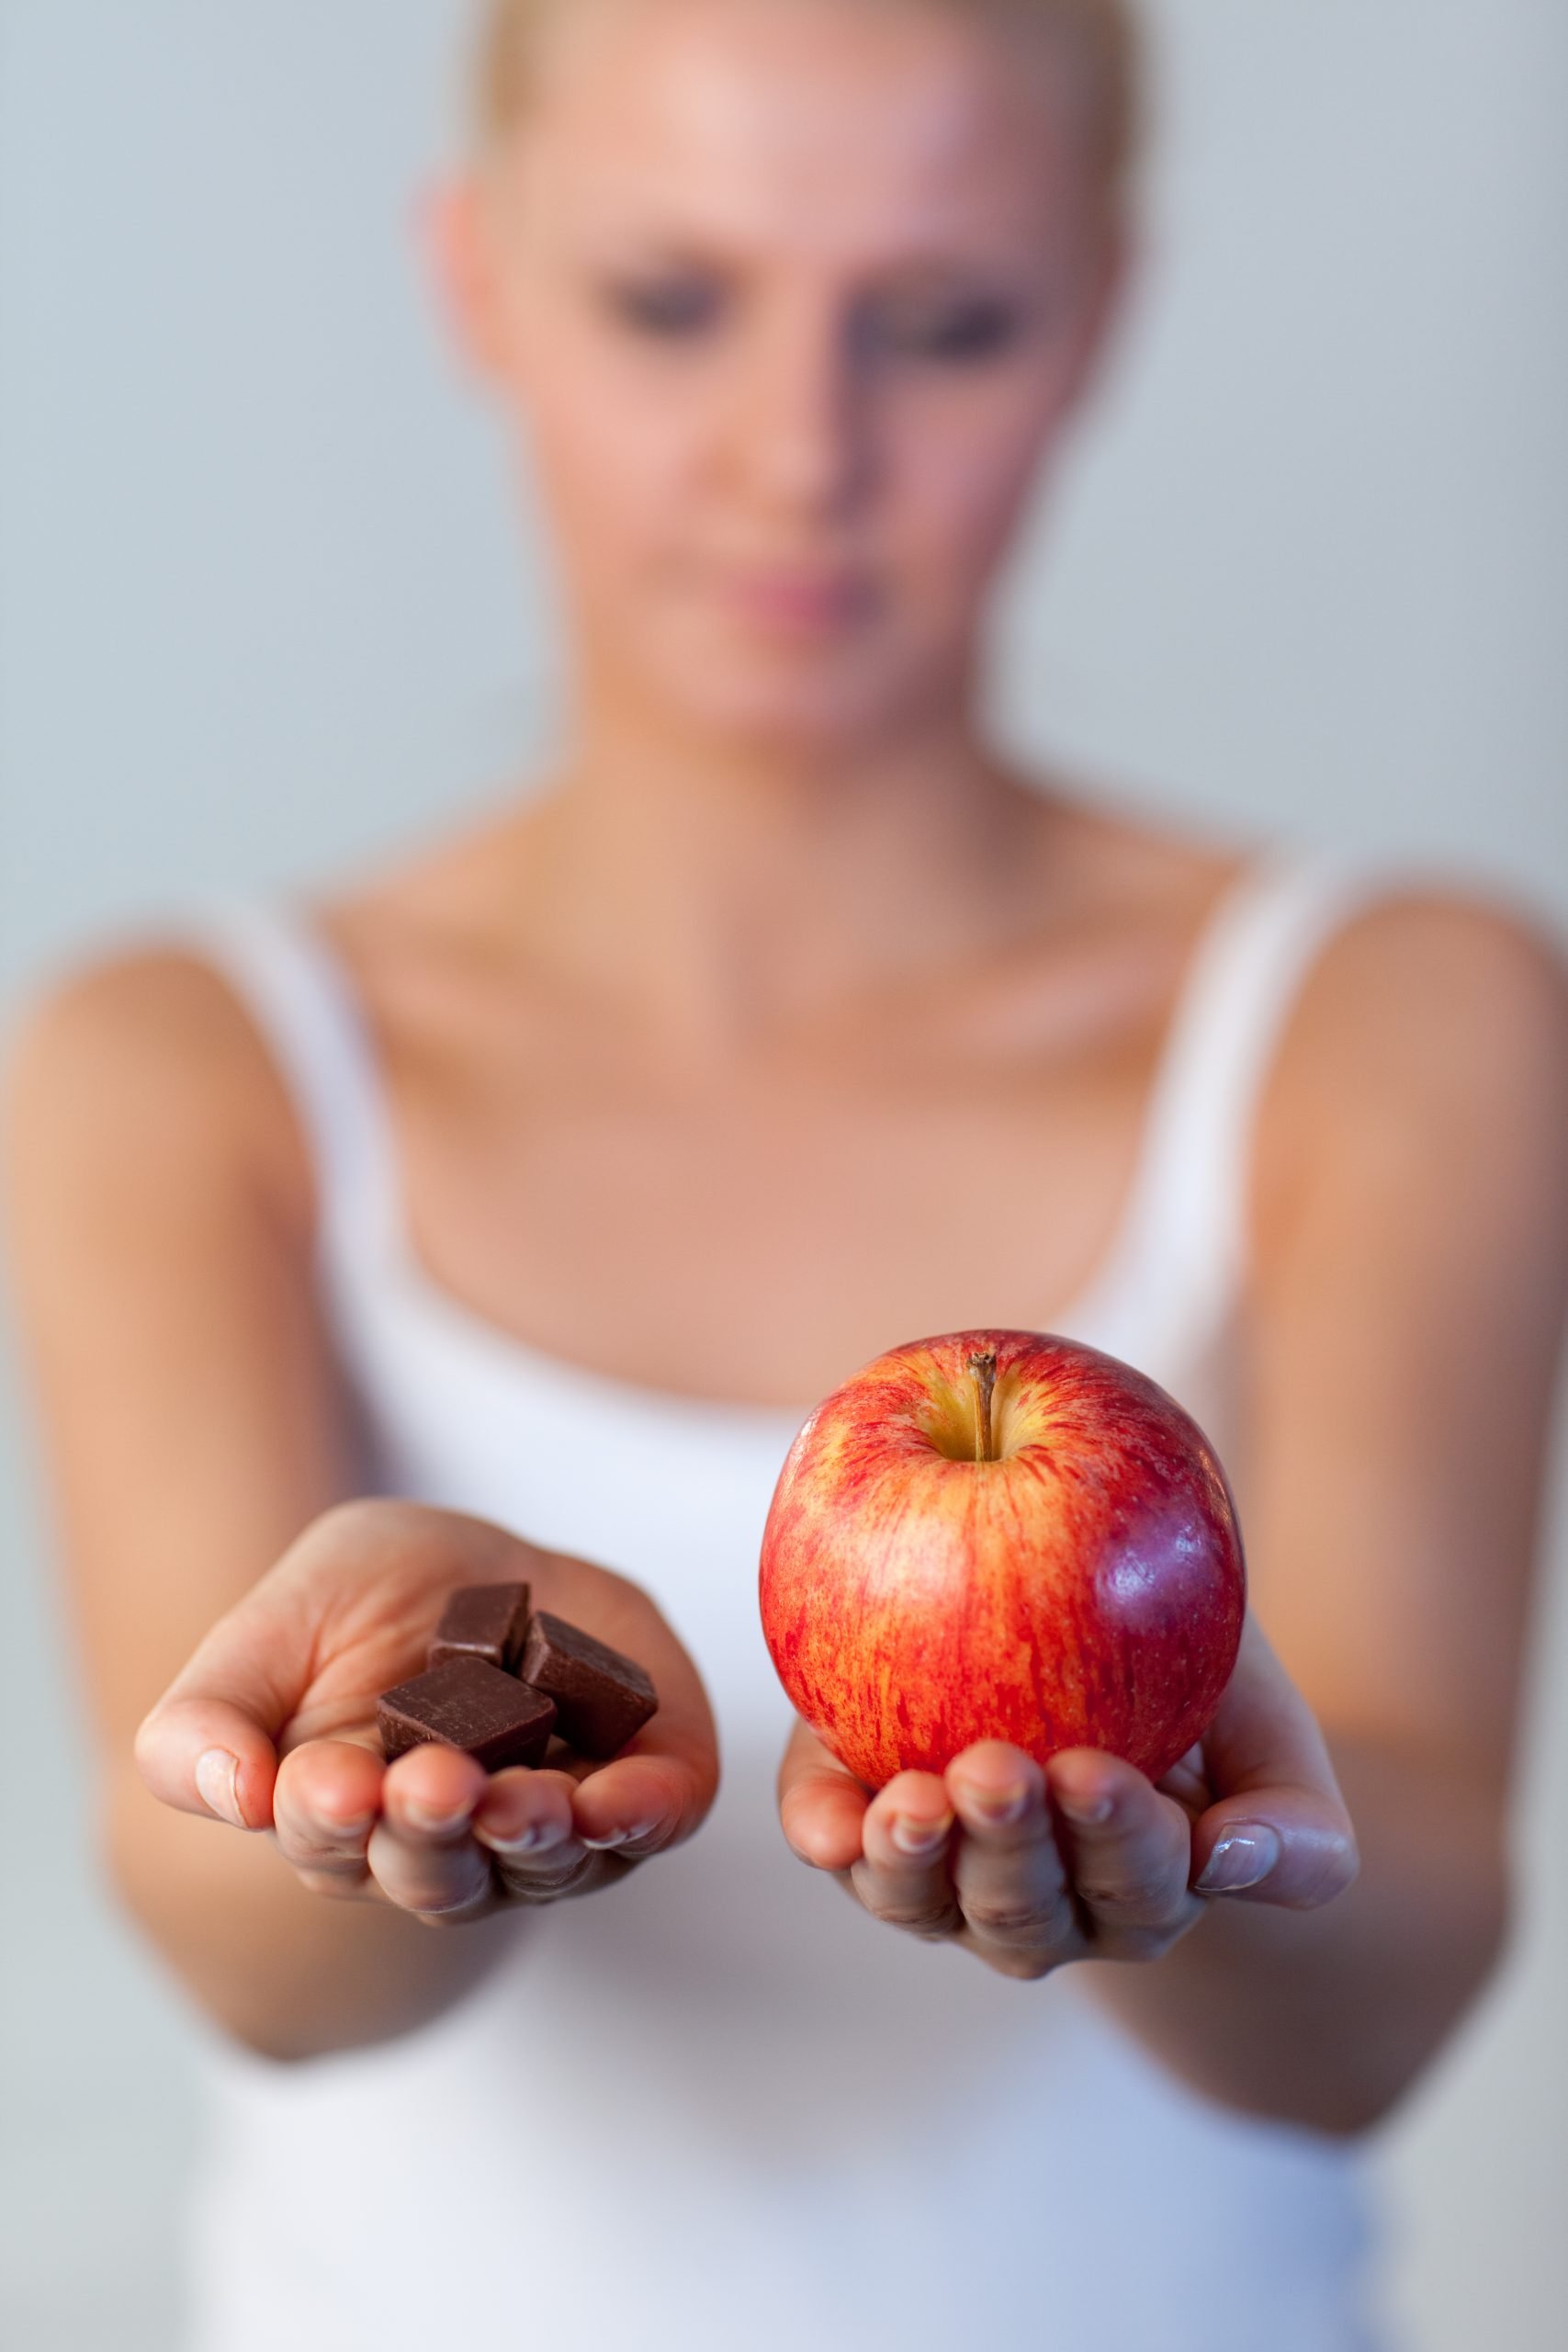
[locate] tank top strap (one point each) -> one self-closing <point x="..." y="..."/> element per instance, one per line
<point x="292" y="987"/>
<point x="1185" y="1241"/>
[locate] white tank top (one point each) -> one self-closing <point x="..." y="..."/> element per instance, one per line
<point x="717" y="2109"/>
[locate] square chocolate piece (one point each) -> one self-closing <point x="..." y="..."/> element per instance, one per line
<point x="486" y="1620"/>
<point x="464" y="1703"/>
<point x="601" y="1696"/>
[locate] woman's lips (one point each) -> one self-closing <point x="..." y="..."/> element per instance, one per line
<point x="797" y="603"/>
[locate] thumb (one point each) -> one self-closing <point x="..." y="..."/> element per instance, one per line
<point x="209" y="1744"/>
<point x="1278" y="1831"/>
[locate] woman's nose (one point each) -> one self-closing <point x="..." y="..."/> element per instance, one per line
<point x="801" y="428"/>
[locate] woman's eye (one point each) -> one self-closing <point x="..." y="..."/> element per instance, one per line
<point x="670" y="308"/>
<point x="974" y="332"/>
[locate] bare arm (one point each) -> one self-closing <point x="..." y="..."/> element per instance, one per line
<point x="230" y="1604"/>
<point x="1411" y="1276"/>
<point x="1406" y="1312"/>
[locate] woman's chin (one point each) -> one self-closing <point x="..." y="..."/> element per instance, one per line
<point x="819" y="707"/>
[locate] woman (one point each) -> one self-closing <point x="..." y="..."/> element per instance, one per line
<point x="505" y="1213"/>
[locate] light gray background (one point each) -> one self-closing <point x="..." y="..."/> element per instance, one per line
<point x="262" y="612"/>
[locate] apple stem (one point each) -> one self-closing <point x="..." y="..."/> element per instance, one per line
<point x="984" y="1368"/>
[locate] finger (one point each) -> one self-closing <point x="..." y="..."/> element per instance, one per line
<point x="422" y="1851"/>
<point x="324" y="1807"/>
<point x="1130" y="1851"/>
<point x="638" y="1803"/>
<point x="525" y="1822"/>
<point x="524" y="1810"/>
<point x="1011" y="1884"/>
<point x="1278" y="1831"/>
<point x="821" y="1804"/>
<point x="902" y="1875"/>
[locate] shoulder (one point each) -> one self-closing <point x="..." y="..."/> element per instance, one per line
<point x="1428" y="1051"/>
<point x="1450" y="993"/>
<point x="1414" y="953"/>
<point x="140" y="1066"/>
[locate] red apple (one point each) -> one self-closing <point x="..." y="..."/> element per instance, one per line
<point x="1001" y="1536"/>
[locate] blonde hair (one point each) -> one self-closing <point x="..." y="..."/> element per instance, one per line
<point x="1105" y="33"/>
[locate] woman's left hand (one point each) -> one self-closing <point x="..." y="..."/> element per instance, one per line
<point x="1027" y="1866"/>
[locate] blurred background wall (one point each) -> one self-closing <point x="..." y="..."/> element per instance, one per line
<point x="263" y="611"/>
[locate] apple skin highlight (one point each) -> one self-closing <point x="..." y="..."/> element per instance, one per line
<point x="1085" y="1587"/>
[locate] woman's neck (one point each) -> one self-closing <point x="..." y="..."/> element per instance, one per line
<point x="730" y="896"/>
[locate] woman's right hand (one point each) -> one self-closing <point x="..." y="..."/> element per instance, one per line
<point x="272" y="1725"/>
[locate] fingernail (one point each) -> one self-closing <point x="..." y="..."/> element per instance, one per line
<point x="998" y="1804"/>
<point x="435" y="1824"/>
<point x="537" y="1837"/>
<point x="218" y="1785"/>
<point x="336" y="1832"/>
<point x="621" y="1837"/>
<point x="1244" y="1857"/>
<point x="919" y="1839"/>
<point x="465" y="1903"/>
<point x="1088" y="1812"/>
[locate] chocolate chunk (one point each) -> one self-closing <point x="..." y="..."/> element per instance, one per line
<point x="486" y="1620"/>
<point x="466" y="1704"/>
<point x="601" y="1696"/>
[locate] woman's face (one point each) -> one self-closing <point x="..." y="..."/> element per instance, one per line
<point x="788" y="302"/>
